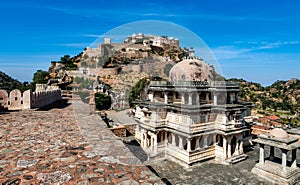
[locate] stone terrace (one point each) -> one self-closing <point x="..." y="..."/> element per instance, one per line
<point x="53" y="146"/>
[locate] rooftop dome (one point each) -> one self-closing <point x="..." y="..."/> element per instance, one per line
<point x="191" y="70"/>
<point x="279" y="133"/>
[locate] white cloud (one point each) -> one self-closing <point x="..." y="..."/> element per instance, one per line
<point x="262" y="45"/>
<point x="91" y="35"/>
<point x="75" y="45"/>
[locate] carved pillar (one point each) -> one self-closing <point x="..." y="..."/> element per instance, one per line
<point x="166" y="97"/>
<point x="180" y="142"/>
<point x="144" y="143"/>
<point x="236" y="151"/>
<point x="174" y="96"/>
<point x="173" y="139"/>
<point x="197" y="99"/>
<point x="294" y="158"/>
<point x="190" y="98"/>
<point x="151" y="143"/>
<point x="197" y="142"/>
<point x="215" y="100"/>
<point x="151" y="96"/>
<point x="182" y="98"/>
<point x="241" y="148"/>
<point x="166" y="138"/>
<point x="205" y="140"/>
<point x="207" y="97"/>
<point x="261" y="154"/>
<point x="155" y="143"/>
<point x="283" y="162"/>
<point x="229" y="147"/>
<point x="188" y="144"/>
<point x="146" y="140"/>
<point x="214" y="138"/>
<point x="225" y="147"/>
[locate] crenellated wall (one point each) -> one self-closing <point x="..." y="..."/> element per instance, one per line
<point x="15" y="100"/>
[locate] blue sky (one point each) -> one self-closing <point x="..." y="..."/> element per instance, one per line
<point x="257" y="40"/>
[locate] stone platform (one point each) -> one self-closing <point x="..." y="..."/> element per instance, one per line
<point x="274" y="173"/>
<point x="52" y="146"/>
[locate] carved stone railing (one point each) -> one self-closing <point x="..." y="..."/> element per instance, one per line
<point x="199" y="155"/>
<point x="191" y="156"/>
<point x="194" y="84"/>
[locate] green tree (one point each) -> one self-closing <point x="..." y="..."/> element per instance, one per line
<point x="135" y="91"/>
<point x="39" y="77"/>
<point x="68" y="62"/>
<point x="103" y="101"/>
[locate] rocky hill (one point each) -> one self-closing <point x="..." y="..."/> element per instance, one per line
<point x="7" y="83"/>
<point x="121" y="65"/>
<point x="282" y="98"/>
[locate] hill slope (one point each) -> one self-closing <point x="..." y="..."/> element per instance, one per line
<point x="282" y="98"/>
<point x="7" y="83"/>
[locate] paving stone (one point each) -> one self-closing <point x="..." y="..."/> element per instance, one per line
<point x="63" y="146"/>
<point x="16" y="173"/>
<point x="128" y="182"/>
<point x="26" y="163"/>
<point x="83" y="183"/>
<point x="56" y="177"/>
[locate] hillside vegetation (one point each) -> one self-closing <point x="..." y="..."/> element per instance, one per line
<point x="282" y="98"/>
<point x="8" y="83"/>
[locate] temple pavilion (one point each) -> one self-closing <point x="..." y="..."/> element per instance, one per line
<point x="282" y="170"/>
<point x="191" y="117"/>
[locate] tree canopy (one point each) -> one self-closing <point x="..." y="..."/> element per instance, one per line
<point x="39" y="77"/>
<point x="136" y="90"/>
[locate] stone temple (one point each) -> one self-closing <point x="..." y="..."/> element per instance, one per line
<point x="284" y="172"/>
<point x="192" y="118"/>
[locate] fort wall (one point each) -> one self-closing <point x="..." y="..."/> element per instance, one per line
<point x="15" y="100"/>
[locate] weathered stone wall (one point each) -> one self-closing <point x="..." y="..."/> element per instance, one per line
<point x="119" y="100"/>
<point x="45" y="87"/>
<point x="43" y="98"/>
<point x="131" y="128"/>
<point x="119" y="131"/>
<point x="16" y="100"/>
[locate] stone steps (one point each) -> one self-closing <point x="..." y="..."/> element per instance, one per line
<point x="236" y="159"/>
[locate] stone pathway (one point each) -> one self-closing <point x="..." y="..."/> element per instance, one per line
<point x="211" y="172"/>
<point x="102" y="141"/>
<point x="53" y="147"/>
<point x="120" y="117"/>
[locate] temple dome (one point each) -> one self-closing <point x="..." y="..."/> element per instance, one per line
<point x="279" y="133"/>
<point x="192" y="69"/>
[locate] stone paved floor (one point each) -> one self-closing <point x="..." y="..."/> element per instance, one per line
<point x="53" y="147"/>
<point x="120" y="117"/>
<point x="211" y="173"/>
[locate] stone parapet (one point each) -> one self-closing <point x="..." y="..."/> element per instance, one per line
<point x="15" y="100"/>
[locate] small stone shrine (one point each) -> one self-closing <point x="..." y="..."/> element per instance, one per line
<point x="285" y="173"/>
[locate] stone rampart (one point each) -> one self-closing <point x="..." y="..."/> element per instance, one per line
<point x="15" y="100"/>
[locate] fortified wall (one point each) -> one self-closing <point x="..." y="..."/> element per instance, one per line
<point x="15" y="100"/>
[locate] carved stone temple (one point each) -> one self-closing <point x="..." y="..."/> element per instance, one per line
<point x="285" y="171"/>
<point x="192" y="118"/>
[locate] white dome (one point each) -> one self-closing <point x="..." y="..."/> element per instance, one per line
<point x="191" y="70"/>
<point x="279" y="133"/>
